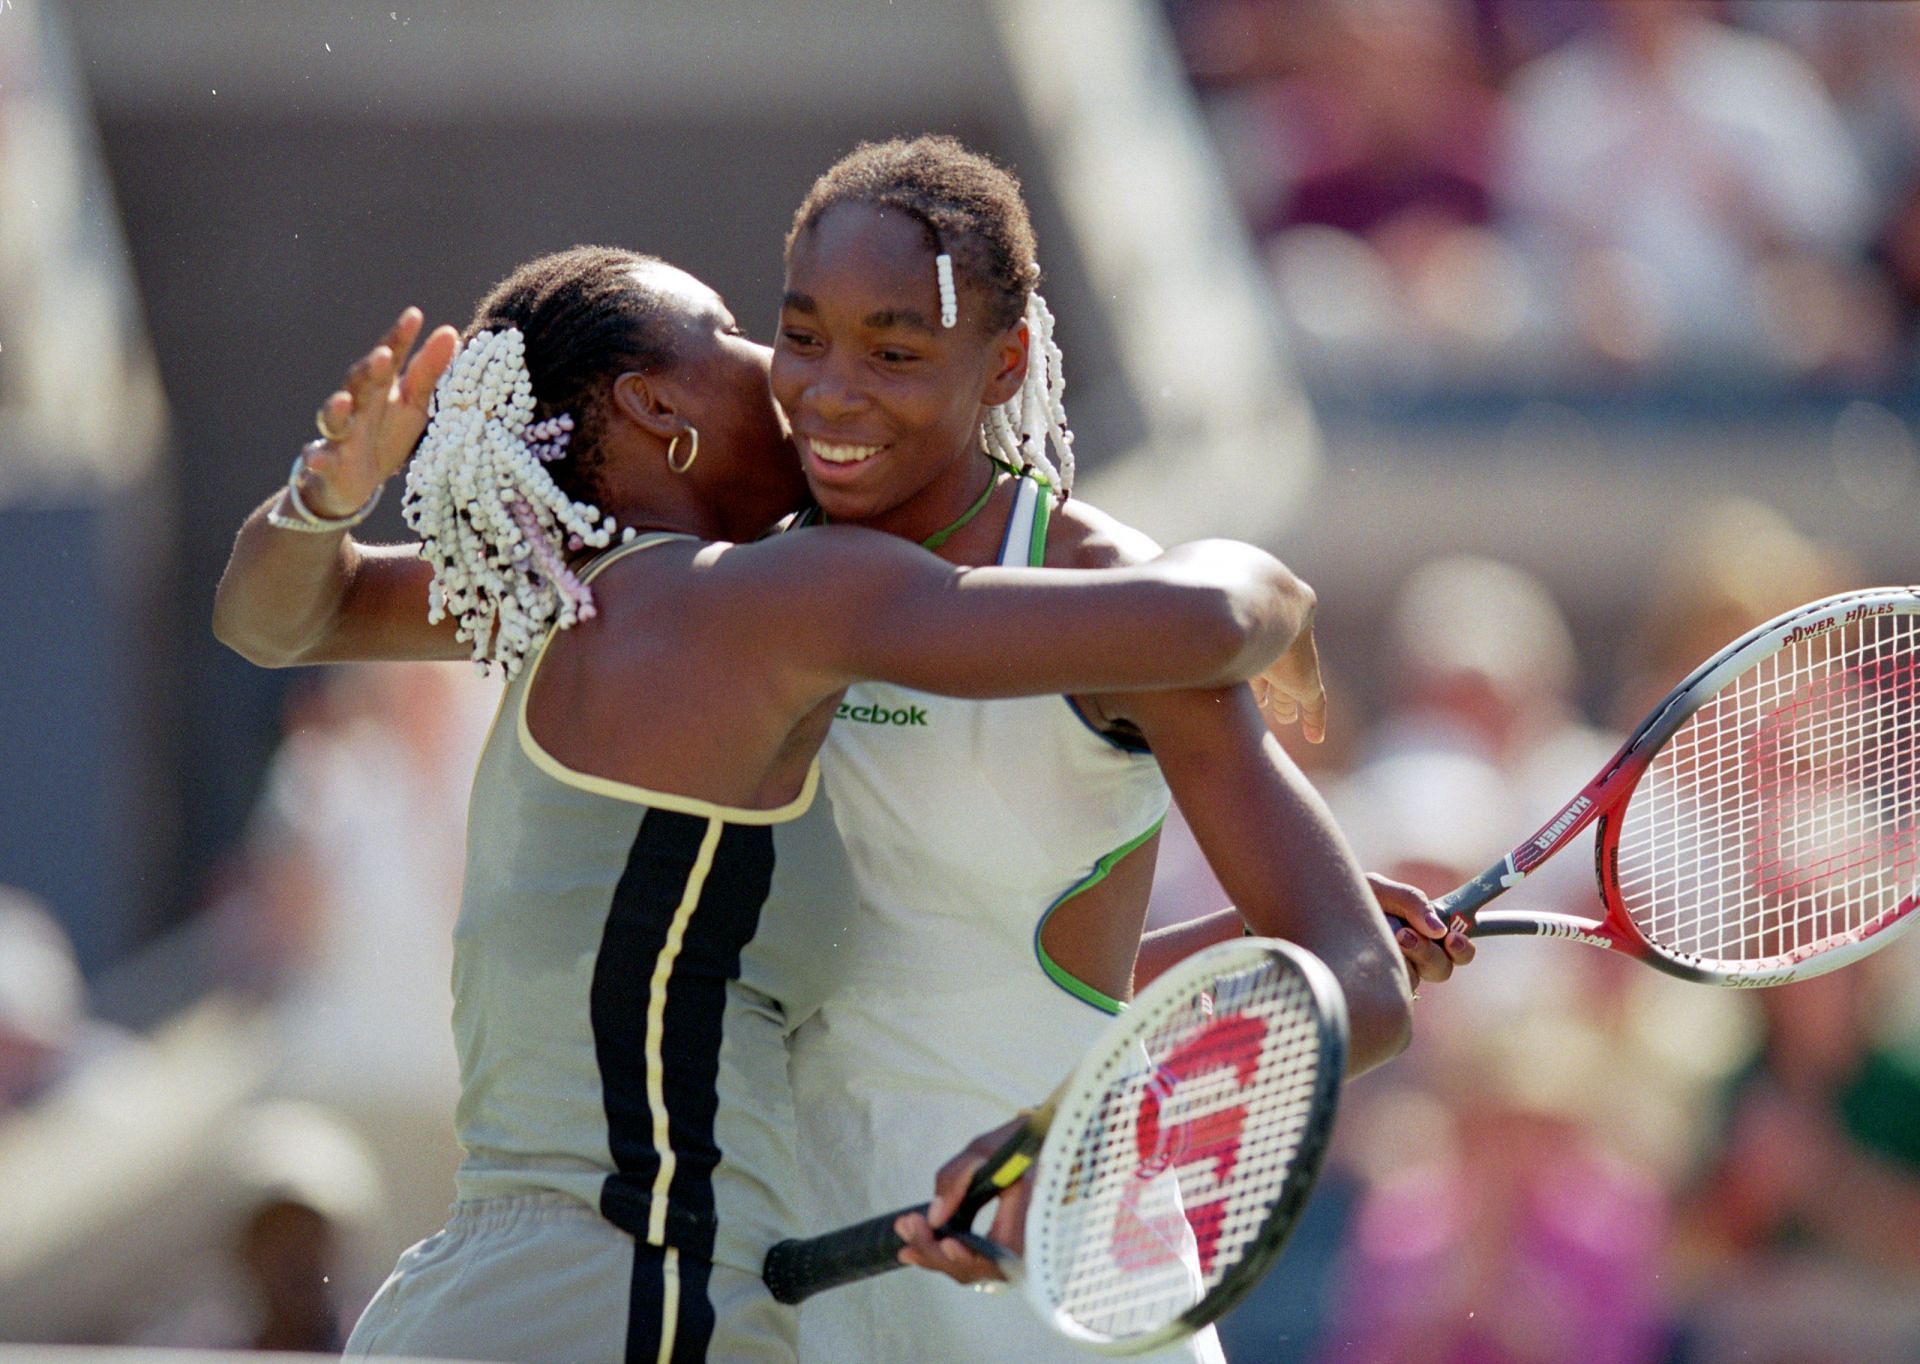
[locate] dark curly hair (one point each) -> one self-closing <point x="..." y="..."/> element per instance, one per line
<point x="586" y="318"/>
<point x="970" y="205"/>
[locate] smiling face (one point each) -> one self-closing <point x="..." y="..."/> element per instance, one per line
<point x="885" y="404"/>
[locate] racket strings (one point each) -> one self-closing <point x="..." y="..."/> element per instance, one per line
<point x="1176" y="1165"/>
<point x="1783" y="817"/>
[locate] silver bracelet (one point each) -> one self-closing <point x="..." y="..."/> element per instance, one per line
<point x="304" y="518"/>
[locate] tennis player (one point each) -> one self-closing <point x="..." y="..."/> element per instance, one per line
<point x="1003" y="849"/>
<point x="603" y="453"/>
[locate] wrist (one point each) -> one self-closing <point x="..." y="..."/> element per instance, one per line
<point x="323" y="498"/>
<point x="295" y="512"/>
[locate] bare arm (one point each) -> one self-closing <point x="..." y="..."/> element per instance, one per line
<point x="291" y="597"/>
<point x="1269" y="838"/>
<point x="855" y="604"/>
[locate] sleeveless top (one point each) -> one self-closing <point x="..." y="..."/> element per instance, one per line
<point x="609" y="1047"/>
<point x="931" y="1012"/>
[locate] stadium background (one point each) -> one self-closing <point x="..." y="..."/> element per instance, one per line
<point x="1554" y="342"/>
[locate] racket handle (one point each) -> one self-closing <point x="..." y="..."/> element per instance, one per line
<point x="1469" y="899"/>
<point x="797" y="1269"/>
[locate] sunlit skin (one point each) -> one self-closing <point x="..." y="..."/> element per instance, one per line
<point x="746" y="465"/>
<point x="860" y="361"/>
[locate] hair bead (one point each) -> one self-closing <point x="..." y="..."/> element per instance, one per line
<point x="492" y="522"/>
<point x="1019" y="431"/>
<point x="949" y="298"/>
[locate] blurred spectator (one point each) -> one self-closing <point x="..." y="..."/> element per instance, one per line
<point x="1369" y="171"/>
<point x="1696" y="190"/>
<point x="1499" y="1232"/>
<point x="355" y="862"/>
<point x="357" y="854"/>
<point x="46" y="1034"/>
<point x="303" y="1190"/>
<point x="1483" y="734"/>
<point x="1869" y="56"/>
<point x="1740" y="564"/>
<point x="1817" y="1179"/>
<point x="1540" y="191"/>
<point x="1390" y="135"/>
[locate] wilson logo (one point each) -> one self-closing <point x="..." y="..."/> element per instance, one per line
<point x="1576" y="933"/>
<point x="1551" y="834"/>
<point x="880" y="715"/>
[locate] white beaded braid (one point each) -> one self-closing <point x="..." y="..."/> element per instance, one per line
<point x="949" y="297"/>
<point x="1018" y="431"/>
<point x="492" y="522"/>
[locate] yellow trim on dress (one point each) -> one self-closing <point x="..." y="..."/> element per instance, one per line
<point x="640" y="795"/>
<point x="657" y="1028"/>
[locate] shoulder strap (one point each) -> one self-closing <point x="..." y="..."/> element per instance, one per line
<point x="1025" y="543"/>
<point x="633" y="546"/>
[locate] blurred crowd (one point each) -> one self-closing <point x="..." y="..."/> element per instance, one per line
<point x="1579" y="1158"/>
<point x="292" y="1110"/>
<point x="1502" y="192"/>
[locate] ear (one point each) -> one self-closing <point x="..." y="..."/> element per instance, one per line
<point x="1009" y="365"/>
<point x="643" y="400"/>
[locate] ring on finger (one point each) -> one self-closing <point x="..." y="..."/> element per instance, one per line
<point x="989" y="1286"/>
<point x="327" y="433"/>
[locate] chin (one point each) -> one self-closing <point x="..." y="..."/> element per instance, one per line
<point x="841" y="504"/>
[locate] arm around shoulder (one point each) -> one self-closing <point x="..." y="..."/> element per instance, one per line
<point x="858" y="604"/>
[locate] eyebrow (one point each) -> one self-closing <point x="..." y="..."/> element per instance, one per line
<point x="879" y="320"/>
<point x="909" y="318"/>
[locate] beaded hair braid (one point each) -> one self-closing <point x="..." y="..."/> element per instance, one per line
<point x="974" y="216"/>
<point x="501" y="489"/>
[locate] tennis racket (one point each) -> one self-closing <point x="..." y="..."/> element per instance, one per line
<point x="1168" y="1168"/>
<point x="1762" y="825"/>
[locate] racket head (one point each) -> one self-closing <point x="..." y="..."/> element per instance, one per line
<point x="1184" y="1146"/>
<point x="1767" y="828"/>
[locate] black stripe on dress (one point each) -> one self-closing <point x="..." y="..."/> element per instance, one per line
<point x="646" y="1297"/>
<point x="665" y="848"/>
<point x="727" y="918"/>
<point x="663" y="856"/>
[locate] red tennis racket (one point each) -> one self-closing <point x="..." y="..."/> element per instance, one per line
<point x="1762" y="825"/>
<point x="1171" y="1165"/>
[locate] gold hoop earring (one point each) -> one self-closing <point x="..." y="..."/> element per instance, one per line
<point x="693" y="450"/>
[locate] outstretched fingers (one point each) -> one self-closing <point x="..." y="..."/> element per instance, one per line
<point x="400" y="336"/>
<point x="423" y="371"/>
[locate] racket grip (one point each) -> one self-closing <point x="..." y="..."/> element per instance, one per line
<point x="797" y="1269"/>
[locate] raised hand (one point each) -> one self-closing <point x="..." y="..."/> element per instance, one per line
<point x="370" y="425"/>
<point x="1291" y="690"/>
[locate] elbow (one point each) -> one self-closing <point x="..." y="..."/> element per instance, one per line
<point x="1264" y="617"/>
<point x="1380" y="1021"/>
<point x="231" y="630"/>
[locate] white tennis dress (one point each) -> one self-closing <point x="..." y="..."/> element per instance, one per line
<point x="931" y="1013"/>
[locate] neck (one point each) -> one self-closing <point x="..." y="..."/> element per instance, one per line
<point x="936" y="506"/>
<point x="648" y="496"/>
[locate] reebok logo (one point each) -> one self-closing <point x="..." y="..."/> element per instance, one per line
<point x="880" y="715"/>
